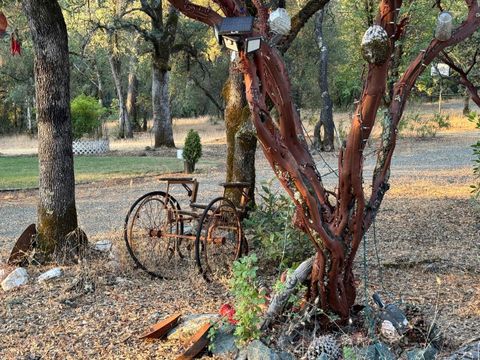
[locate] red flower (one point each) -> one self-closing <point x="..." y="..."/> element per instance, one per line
<point x="227" y="310"/>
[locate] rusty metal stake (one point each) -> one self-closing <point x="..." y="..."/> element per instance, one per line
<point x="161" y="328"/>
<point x="196" y="343"/>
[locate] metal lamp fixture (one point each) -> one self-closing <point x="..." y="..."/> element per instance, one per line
<point x="233" y="32"/>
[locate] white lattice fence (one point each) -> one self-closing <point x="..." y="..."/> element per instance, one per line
<point x="91" y="147"/>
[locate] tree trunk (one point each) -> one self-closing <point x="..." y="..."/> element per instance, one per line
<point x="241" y="138"/>
<point x="466" y="103"/>
<point x="124" y="126"/>
<point x="132" y="92"/>
<point x="100" y="92"/>
<point x="326" y="106"/>
<point x="162" y="121"/>
<point x="57" y="215"/>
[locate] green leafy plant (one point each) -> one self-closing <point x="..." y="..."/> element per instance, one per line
<point x="475" y="118"/>
<point x="248" y="298"/>
<point x="425" y="126"/>
<point x="192" y="150"/>
<point x="86" y="116"/>
<point x="349" y="353"/>
<point x="270" y="225"/>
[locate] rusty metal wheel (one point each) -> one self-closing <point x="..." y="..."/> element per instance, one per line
<point x="148" y="224"/>
<point x="219" y="241"/>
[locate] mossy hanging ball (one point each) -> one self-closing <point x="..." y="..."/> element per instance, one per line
<point x="375" y="45"/>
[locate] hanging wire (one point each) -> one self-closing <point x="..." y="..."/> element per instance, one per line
<point x="331" y="170"/>
<point x="369" y="319"/>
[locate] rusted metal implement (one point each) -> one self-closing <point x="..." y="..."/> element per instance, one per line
<point x="161" y="328"/>
<point x="23" y="246"/>
<point x="160" y="238"/>
<point x="196" y="343"/>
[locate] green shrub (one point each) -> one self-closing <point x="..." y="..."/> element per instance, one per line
<point x="424" y="126"/>
<point x="248" y="299"/>
<point x="86" y="115"/>
<point x="270" y="224"/>
<point x="475" y="118"/>
<point x="192" y="150"/>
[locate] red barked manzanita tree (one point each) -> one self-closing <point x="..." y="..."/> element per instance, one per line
<point x="334" y="220"/>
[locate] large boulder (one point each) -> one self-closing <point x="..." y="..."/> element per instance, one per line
<point x="16" y="278"/>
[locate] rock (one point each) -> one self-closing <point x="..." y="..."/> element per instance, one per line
<point x="190" y="325"/>
<point x="286" y="356"/>
<point x="103" y="245"/>
<point x="377" y="351"/>
<point x="224" y="341"/>
<point x="467" y="352"/>
<point x="257" y="350"/>
<point x="16" y="278"/>
<point x="50" y="274"/>
<point x="429" y="353"/>
<point x="242" y="355"/>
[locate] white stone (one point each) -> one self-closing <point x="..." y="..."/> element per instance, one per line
<point x="16" y="278"/>
<point x="103" y="245"/>
<point x="50" y="274"/>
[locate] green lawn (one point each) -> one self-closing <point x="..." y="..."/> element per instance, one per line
<point x="19" y="172"/>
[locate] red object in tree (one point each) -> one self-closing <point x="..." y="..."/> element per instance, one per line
<point x="15" y="48"/>
<point x="3" y="23"/>
<point x="227" y="311"/>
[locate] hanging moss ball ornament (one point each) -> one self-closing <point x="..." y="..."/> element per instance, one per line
<point x="375" y="45"/>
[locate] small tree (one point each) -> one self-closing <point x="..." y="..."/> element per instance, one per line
<point x="86" y="113"/>
<point x="335" y="221"/>
<point x="192" y="151"/>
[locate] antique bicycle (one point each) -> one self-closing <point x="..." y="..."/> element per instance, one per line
<point x="164" y="239"/>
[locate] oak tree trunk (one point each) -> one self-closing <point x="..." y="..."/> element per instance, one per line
<point x="241" y="138"/>
<point x="57" y="214"/>
<point x="162" y="121"/>
<point x="132" y="92"/>
<point x="124" y="126"/>
<point x="466" y="103"/>
<point x="325" y="143"/>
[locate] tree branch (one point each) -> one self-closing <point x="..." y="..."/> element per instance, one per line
<point x="197" y="12"/>
<point x="299" y="20"/>
<point x="464" y="80"/>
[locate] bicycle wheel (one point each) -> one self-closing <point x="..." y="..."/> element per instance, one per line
<point x="219" y="239"/>
<point x="148" y="224"/>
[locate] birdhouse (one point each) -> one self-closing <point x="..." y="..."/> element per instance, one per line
<point x="375" y="45"/>
<point x="279" y="21"/>
<point x="444" y="28"/>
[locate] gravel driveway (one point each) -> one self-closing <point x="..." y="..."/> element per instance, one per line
<point x="102" y="206"/>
